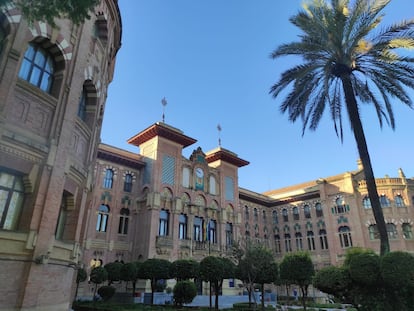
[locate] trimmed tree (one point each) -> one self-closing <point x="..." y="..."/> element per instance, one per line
<point x="371" y="282"/>
<point x="297" y="268"/>
<point x="214" y="270"/>
<point x="98" y="276"/>
<point x="257" y="266"/>
<point x="129" y="273"/>
<point x="184" y="292"/>
<point x="184" y="269"/>
<point x="114" y="271"/>
<point x="154" y="269"/>
<point x="81" y="276"/>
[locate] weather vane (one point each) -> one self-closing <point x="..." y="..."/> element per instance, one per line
<point x="164" y="103"/>
<point x="219" y="130"/>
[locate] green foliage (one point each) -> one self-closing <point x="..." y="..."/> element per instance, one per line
<point x="106" y="292"/>
<point x="332" y="280"/>
<point x="81" y="275"/>
<point x="99" y="275"/>
<point x="348" y="61"/>
<point x="129" y="272"/>
<point x="114" y="271"/>
<point x="154" y="269"/>
<point x="184" y="292"/>
<point x="397" y="270"/>
<point x="215" y="270"/>
<point x="44" y="10"/>
<point x="184" y="269"/>
<point x="297" y="268"/>
<point x="371" y="282"/>
<point x="364" y="268"/>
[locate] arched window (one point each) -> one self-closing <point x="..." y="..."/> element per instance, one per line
<point x="108" y="179"/>
<point x="366" y="202"/>
<point x="123" y="221"/>
<point x="373" y="232"/>
<point x="323" y="239"/>
<point x="311" y="240"/>
<point x="399" y="201"/>
<point x="345" y="236"/>
<point x="295" y="213"/>
<point x="298" y="240"/>
<point x="38" y="67"/>
<point x="246" y="212"/>
<point x="407" y="231"/>
<point x="163" y="228"/>
<point x="82" y="105"/>
<point x="264" y="215"/>
<point x="385" y="202"/>
<point x="318" y="209"/>
<point x="340" y="206"/>
<point x="255" y="216"/>
<point x="285" y="215"/>
<point x="103" y="215"/>
<point x="392" y="231"/>
<point x="277" y="244"/>
<point x="288" y="243"/>
<point x="128" y="182"/>
<point x="275" y="218"/>
<point x="11" y="200"/>
<point x="306" y="211"/>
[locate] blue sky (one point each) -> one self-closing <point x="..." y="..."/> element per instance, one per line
<point x="210" y="60"/>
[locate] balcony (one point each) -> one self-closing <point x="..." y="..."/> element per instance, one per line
<point x="164" y="241"/>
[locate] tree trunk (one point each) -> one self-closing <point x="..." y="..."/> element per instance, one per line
<point x="359" y="135"/>
<point x="304" y="290"/>
<point x="216" y="290"/>
<point x="262" y="290"/>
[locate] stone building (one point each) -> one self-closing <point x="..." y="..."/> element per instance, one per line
<point x="53" y="87"/>
<point x="328" y="216"/>
<point x="157" y="203"/>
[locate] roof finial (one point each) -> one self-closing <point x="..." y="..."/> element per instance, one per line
<point x="219" y="130"/>
<point x="164" y="103"/>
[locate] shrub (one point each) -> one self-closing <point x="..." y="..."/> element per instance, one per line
<point x="184" y="292"/>
<point x="106" y="292"/>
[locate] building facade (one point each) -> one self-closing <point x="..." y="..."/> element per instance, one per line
<point x="53" y="86"/>
<point x="157" y="203"/>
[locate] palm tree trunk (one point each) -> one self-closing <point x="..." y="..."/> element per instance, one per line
<point x="359" y="135"/>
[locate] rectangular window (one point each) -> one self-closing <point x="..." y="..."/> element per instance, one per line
<point x="61" y="223"/>
<point x="211" y="231"/>
<point x="197" y="230"/>
<point x="128" y="183"/>
<point x="163" y="228"/>
<point x="11" y="200"/>
<point x="186" y="177"/>
<point x="182" y="227"/>
<point x="168" y="170"/>
<point x="229" y="188"/>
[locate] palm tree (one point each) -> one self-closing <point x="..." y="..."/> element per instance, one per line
<point x="346" y="62"/>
